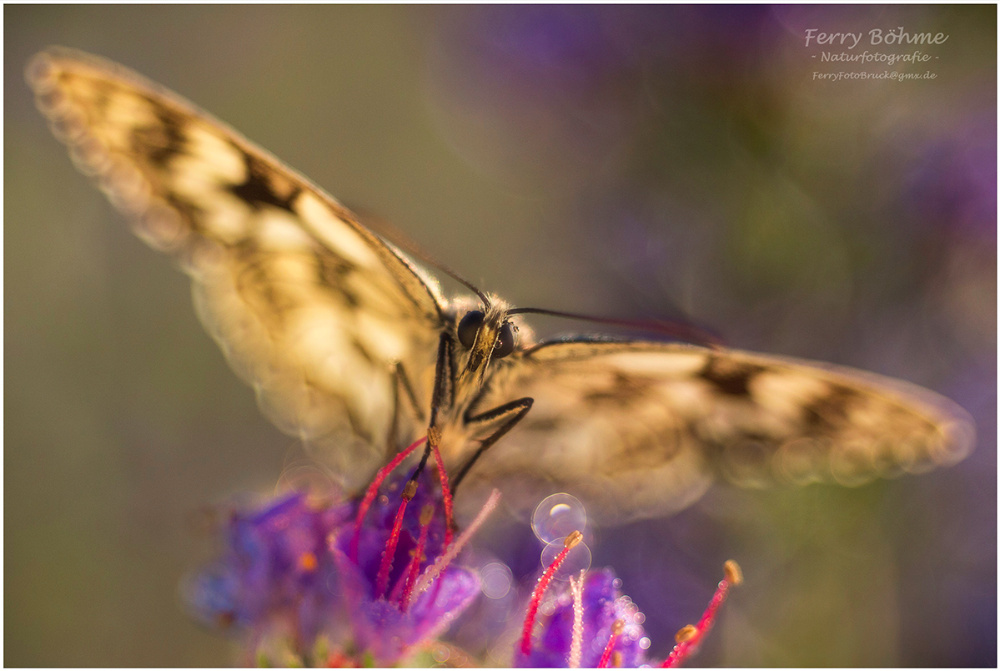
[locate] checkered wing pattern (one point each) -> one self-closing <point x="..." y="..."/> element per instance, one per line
<point x="308" y="305"/>
<point x="641" y="429"/>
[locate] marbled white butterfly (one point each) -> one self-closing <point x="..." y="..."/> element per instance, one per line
<point x="354" y="348"/>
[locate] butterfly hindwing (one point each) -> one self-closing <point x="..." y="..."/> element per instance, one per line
<point x="640" y="429"/>
<point x="309" y="306"/>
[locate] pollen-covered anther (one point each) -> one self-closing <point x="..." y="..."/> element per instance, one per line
<point x="572" y="540"/>
<point x="433" y="436"/>
<point x="410" y="490"/>
<point x="733" y="572"/>
<point x="686" y="633"/>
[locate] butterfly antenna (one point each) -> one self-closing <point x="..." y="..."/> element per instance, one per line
<point x="390" y="233"/>
<point x="681" y="330"/>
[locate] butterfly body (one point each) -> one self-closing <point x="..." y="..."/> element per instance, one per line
<point x="354" y="348"/>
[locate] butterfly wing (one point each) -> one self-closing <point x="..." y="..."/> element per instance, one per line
<point x="640" y="429"/>
<point x="308" y="305"/>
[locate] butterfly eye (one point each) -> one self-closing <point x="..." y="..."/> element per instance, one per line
<point x="505" y="342"/>
<point x="469" y="327"/>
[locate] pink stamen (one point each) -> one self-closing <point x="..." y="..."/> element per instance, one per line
<point x="413" y="570"/>
<point x="690" y="637"/>
<point x="543" y="583"/>
<point x="616" y="631"/>
<point x="441" y="563"/>
<point x="372" y="492"/>
<point x="382" y="581"/>
<point x="445" y="495"/>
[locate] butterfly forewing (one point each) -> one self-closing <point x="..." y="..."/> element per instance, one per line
<point x="309" y="306"/>
<point x="640" y="429"/>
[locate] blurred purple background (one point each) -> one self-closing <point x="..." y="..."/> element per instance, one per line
<point x="638" y="162"/>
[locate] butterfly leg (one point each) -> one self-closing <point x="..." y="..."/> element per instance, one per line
<point x="401" y="382"/>
<point x="442" y="398"/>
<point x="508" y="415"/>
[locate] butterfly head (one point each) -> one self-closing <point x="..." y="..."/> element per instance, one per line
<point x="487" y="334"/>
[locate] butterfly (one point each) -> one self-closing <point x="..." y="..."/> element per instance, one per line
<point x="353" y="347"/>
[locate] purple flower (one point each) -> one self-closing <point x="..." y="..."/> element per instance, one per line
<point x="388" y="632"/>
<point x="274" y="568"/>
<point x="592" y="624"/>
<point x="373" y="581"/>
<point x="605" y="610"/>
<point x="363" y="581"/>
<point x="390" y="612"/>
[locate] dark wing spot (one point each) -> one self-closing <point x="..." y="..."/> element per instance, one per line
<point x="623" y="391"/>
<point x="258" y="190"/>
<point x="830" y="409"/>
<point x="728" y="376"/>
<point x="332" y="271"/>
<point x="161" y="141"/>
<point x="255" y="281"/>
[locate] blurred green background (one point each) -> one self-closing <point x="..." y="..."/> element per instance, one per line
<point x="630" y="162"/>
